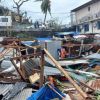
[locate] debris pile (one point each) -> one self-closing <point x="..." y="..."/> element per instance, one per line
<point x="22" y="71"/>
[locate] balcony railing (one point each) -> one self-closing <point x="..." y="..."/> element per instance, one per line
<point x="87" y="18"/>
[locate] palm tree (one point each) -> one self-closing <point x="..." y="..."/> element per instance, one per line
<point x="45" y="7"/>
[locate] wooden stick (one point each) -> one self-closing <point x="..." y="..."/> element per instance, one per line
<point x="83" y="94"/>
<point x="83" y="72"/>
<point x="98" y="51"/>
<point x="87" y="73"/>
<point x="55" y="91"/>
<point x="18" y="70"/>
<point x="86" y="85"/>
<point x="25" y="56"/>
<point x="16" y="46"/>
<point x="42" y="69"/>
<point x="6" y="51"/>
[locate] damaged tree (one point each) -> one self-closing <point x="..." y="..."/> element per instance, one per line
<point x="18" y="6"/>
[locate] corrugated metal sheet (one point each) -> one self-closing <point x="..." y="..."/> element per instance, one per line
<point x="4" y="87"/>
<point x="23" y="95"/>
<point x="93" y="56"/>
<point x="51" y="71"/>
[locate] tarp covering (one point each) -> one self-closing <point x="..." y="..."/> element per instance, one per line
<point x="80" y="36"/>
<point x="44" y="39"/>
<point x="30" y="43"/>
<point x="45" y="93"/>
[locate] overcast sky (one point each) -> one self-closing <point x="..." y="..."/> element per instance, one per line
<point x="59" y="8"/>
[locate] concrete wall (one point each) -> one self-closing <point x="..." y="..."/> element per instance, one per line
<point x="94" y="8"/>
<point x="91" y="16"/>
<point x="92" y="28"/>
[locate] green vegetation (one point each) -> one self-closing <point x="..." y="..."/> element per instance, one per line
<point x="25" y="37"/>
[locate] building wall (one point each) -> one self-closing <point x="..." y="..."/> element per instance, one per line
<point x="89" y="15"/>
<point x="94" y="9"/>
<point x="5" y="21"/>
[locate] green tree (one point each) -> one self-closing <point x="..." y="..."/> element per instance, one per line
<point x="45" y="7"/>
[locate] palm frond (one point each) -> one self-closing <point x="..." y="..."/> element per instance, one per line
<point x="46" y="6"/>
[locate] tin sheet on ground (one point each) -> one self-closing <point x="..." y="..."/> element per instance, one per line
<point x="93" y="56"/>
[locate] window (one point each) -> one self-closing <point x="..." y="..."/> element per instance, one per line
<point x="88" y="8"/>
<point x="4" y="19"/>
<point x="86" y="27"/>
<point x="98" y="24"/>
<point x="78" y="29"/>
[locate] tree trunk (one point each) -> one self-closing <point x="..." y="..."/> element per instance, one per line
<point x="18" y="12"/>
<point x="45" y="17"/>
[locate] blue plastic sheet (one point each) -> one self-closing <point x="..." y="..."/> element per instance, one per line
<point x="45" y="93"/>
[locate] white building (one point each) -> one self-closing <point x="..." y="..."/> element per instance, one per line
<point x="5" y="21"/>
<point x="86" y="17"/>
<point x="5" y="17"/>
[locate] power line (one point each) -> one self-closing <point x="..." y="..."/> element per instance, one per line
<point x="51" y="12"/>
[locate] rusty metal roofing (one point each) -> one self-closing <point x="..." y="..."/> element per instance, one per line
<point x="95" y="84"/>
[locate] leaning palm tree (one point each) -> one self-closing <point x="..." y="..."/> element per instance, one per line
<point x="45" y="7"/>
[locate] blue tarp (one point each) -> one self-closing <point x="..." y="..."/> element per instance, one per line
<point x="30" y="43"/>
<point x="45" y="93"/>
<point x="43" y="39"/>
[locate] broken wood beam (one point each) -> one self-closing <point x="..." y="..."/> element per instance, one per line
<point x="18" y="70"/>
<point x="25" y="56"/>
<point x="42" y="69"/>
<point x="82" y="93"/>
<point x="10" y="80"/>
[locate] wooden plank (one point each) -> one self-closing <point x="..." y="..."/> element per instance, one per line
<point x="5" y="52"/>
<point x="18" y="70"/>
<point x="25" y="56"/>
<point x="98" y="51"/>
<point x="83" y="94"/>
<point x="34" y="78"/>
<point x="42" y="69"/>
<point x="22" y="68"/>
<point x="55" y="91"/>
<point x="96" y="68"/>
